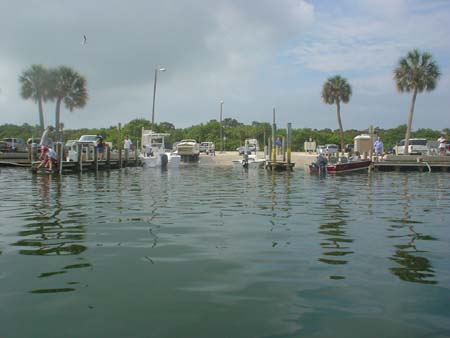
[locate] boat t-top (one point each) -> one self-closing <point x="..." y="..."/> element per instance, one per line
<point x="153" y="151"/>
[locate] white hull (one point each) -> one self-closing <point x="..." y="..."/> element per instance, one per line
<point x="173" y="161"/>
<point x="252" y="163"/>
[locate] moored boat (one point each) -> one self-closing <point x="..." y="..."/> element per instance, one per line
<point x="251" y="162"/>
<point x="343" y="165"/>
<point x="154" y="153"/>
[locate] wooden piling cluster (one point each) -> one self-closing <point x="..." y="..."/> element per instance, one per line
<point x="280" y="162"/>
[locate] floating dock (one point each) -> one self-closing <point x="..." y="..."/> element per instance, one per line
<point x="412" y="163"/>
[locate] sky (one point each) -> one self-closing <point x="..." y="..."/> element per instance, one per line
<point x="255" y="55"/>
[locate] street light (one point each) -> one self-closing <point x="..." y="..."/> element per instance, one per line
<point x="221" y="127"/>
<point x="161" y="69"/>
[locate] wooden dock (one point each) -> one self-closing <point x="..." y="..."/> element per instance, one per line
<point x="413" y="163"/>
<point x="85" y="162"/>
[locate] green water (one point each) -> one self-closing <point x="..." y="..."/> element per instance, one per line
<point x="217" y="252"/>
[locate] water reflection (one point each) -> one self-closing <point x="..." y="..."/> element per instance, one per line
<point x="336" y="242"/>
<point x="51" y="230"/>
<point x="280" y="206"/>
<point x="413" y="267"/>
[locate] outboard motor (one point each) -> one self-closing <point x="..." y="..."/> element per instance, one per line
<point x="164" y="160"/>
<point x="245" y="160"/>
<point x="321" y="163"/>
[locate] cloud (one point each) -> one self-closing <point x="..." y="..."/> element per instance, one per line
<point x="371" y="42"/>
<point x="253" y="55"/>
<point x="214" y="49"/>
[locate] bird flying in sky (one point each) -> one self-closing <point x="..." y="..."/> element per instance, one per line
<point x="84" y="40"/>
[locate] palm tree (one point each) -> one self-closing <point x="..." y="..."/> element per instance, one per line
<point x="68" y="86"/>
<point x="416" y="72"/>
<point x="334" y="91"/>
<point x="34" y="85"/>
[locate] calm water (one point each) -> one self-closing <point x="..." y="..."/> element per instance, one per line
<point x="217" y="252"/>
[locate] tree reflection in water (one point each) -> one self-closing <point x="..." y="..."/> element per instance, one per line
<point x="336" y="244"/>
<point x="46" y="233"/>
<point x="413" y="267"/>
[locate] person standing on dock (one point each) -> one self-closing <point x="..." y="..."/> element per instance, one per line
<point x="278" y="144"/>
<point x="378" y="147"/>
<point x="127" y="143"/>
<point x="100" y="146"/>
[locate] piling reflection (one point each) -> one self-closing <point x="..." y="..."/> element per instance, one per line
<point x="412" y="266"/>
<point x="50" y="229"/>
<point x="336" y="243"/>
<point x="280" y="205"/>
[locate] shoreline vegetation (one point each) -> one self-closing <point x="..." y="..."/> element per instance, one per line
<point x="235" y="133"/>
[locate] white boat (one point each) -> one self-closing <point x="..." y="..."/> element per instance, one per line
<point x="154" y="153"/>
<point x="188" y="147"/>
<point x="251" y="162"/>
<point x="189" y="150"/>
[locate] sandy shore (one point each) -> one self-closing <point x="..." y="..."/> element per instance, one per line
<point x="225" y="159"/>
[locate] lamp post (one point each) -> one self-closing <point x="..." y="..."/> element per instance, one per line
<point x="161" y="69"/>
<point x="221" y="127"/>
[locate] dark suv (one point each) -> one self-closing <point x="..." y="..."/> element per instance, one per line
<point x="15" y="144"/>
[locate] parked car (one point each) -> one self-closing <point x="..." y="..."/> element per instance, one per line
<point x="88" y="139"/>
<point x="16" y="144"/>
<point x="416" y="146"/>
<point x="206" y="147"/>
<point x="250" y="148"/>
<point x="349" y="148"/>
<point x="33" y="142"/>
<point x="91" y="140"/>
<point x="4" y="147"/>
<point x="328" y="149"/>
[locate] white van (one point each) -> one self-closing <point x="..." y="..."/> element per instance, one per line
<point x="328" y="149"/>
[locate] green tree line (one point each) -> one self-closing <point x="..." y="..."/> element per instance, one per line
<point x="235" y="133"/>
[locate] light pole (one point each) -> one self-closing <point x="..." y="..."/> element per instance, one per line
<point x="161" y="69"/>
<point x="221" y="127"/>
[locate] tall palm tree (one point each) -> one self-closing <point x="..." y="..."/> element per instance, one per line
<point x="34" y="85"/>
<point x="69" y="87"/>
<point x="334" y="91"/>
<point x="415" y="73"/>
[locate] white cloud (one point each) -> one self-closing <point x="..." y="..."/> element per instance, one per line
<point x="253" y="55"/>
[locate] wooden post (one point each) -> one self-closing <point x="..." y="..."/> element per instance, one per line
<point x="283" y="149"/>
<point x="371" y="142"/>
<point x="108" y="157"/>
<point x="60" y="151"/>
<point x="136" y="158"/>
<point x="80" y="157"/>
<point x="126" y="157"/>
<point x="95" y="159"/>
<point x="274" y="130"/>
<point x="119" y="127"/>
<point x="289" y="142"/>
